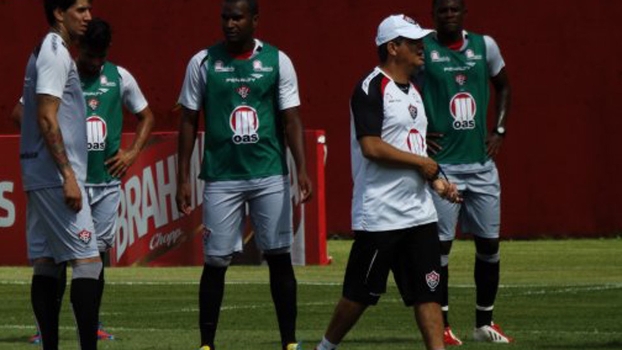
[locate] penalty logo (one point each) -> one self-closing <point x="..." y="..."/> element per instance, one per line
<point x="433" y="279"/>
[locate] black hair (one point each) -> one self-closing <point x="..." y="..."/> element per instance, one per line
<point x="97" y="36"/>
<point x="253" y="5"/>
<point x="50" y="5"/>
<point x="436" y="2"/>
<point x="383" y="52"/>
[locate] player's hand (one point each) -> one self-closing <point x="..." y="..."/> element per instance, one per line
<point x="72" y="193"/>
<point x="305" y="187"/>
<point x="493" y="143"/>
<point x="431" y="140"/>
<point x="428" y="168"/>
<point x="118" y="165"/>
<point x="447" y="190"/>
<point x="183" y="197"/>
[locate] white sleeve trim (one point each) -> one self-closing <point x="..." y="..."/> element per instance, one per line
<point x="193" y="88"/>
<point x="53" y="66"/>
<point x="131" y="96"/>
<point x="493" y="56"/>
<point x="288" y="83"/>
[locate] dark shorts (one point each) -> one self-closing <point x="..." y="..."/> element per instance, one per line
<point x="412" y="254"/>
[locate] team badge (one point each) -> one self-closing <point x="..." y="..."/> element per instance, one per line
<point x="243" y="91"/>
<point x="85" y="236"/>
<point x="433" y="279"/>
<point x="413" y="111"/>
<point x="461" y="79"/>
<point x="93" y="103"/>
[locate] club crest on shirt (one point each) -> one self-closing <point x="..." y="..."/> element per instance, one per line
<point x="433" y="279"/>
<point x="461" y="79"/>
<point x="413" y="111"/>
<point x="85" y="236"/>
<point x="93" y="103"/>
<point x="243" y="91"/>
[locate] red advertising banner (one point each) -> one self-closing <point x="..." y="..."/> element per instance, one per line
<point x="150" y="230"/>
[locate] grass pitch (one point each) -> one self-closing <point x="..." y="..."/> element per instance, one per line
<point x="555" y="294"/>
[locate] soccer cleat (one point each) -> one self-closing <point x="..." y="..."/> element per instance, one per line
<point x="35" y="339"/>
<point x="102" y="334"/>
<point x="449" y="338"/>
<point x="492" y="333"/>
<point x="293" y="346"/>
<point x="205" y="347"/>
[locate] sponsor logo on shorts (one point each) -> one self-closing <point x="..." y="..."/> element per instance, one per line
<point x="85" y="236"/>
<point x="433" y="279"/>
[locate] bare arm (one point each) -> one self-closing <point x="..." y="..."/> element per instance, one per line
<point x="17" y="114"/>
<point x="294" y="136"/>
<point x="187" y="134"/>
<point x="121" y="161"/>
<point x="503" y="94"/>
<point x="47" y="118"/>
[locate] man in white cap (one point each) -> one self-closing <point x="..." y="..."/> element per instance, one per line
<point x="393" y="215"/>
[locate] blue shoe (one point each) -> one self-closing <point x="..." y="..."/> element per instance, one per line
<point x="35" y="339"/>
<point x="102" y="334"/>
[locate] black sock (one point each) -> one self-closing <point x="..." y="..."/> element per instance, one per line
<point x="445" y="294"/>
<point x="62" y="285"/>
<point x="283" y="289"/>
<point x="487" y="284"/>
<point x="84" y="303"/>
<point x="211" y="291"/>
<point x="100" y="284"/>
<point x="46" y="309"/>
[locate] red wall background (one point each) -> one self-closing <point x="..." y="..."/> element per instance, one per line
<point x="560" y="163"/>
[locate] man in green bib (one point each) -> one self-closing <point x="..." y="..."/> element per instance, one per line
<point x="248" y="92"/>
<point x="459" y="65"/>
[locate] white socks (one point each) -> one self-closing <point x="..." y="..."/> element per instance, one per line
<point x="326" y="345"/>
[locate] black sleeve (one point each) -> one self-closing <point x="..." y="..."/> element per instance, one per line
<point x="367" y="108"/>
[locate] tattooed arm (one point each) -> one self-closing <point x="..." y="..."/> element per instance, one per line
<point x="52" y="136"/>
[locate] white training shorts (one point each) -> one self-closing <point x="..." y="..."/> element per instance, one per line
<point x="479" y="214"/>
<point x="53" y="230"/>
<point x="104" y="202"/>
<point x="224" y="212"/>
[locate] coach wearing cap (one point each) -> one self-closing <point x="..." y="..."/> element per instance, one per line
<point x="393" y="216"/>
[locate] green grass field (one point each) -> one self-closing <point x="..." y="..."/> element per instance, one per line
<point x="555" y="294"/>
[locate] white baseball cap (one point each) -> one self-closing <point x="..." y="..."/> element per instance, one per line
<point x="399" y="25"/>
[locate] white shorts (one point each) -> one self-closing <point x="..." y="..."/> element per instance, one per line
<point x="479" y="214"/>
<point x="104" y="202"/>
<point x="224" y="216"/>
<point x="53" y="230"/>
